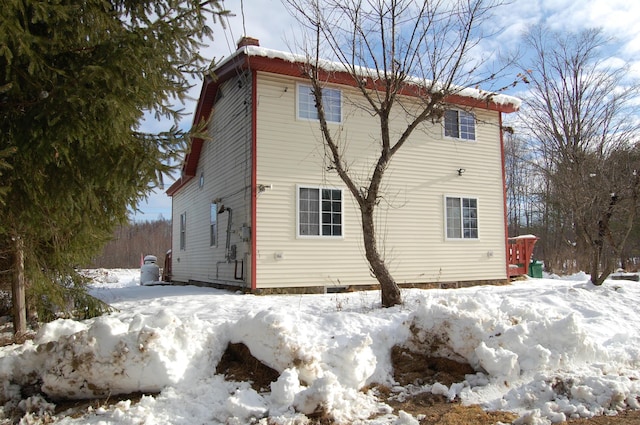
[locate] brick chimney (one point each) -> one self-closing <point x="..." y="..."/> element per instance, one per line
<point x="248" y="41"/>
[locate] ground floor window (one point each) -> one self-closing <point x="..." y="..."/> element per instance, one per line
<point x="319" y="211"/>
<point x="213" y="225"/>
<point x="461" y="218"/>
<point x="183" y="231"/>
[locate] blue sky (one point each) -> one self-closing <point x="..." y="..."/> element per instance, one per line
<point x="273" y="25"/>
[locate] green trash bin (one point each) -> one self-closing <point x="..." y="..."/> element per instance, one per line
<point x="535" y="269"/>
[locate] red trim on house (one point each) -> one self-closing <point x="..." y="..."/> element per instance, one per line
<point x="254" y="177"/>
<point x="504" y="195"/>
<point x="296" y="69"/>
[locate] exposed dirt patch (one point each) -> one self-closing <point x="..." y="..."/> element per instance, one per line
<point x="238" y="364"/>
<point x="422" y="369"/>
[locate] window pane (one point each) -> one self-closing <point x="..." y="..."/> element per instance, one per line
<point x="213" y="228"/>
<point x="331" y="100"/>
<point x="470" y="222"/>
<point x="320" y="212"/>
<point x="183" y="231"/>
<point x="467" y="126"/>
<point x="451" y="123"/>
<point x="306" y="103"/>
<point x="454" y="225"/>
<point x="308" y="211"/>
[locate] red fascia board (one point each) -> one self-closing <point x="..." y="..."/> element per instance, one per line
<point x="296" y="69"/>
<point x="178" y="184"/>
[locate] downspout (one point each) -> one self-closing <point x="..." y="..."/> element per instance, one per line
<point x="227" y="245"/>
<point x="504" y="196"/>
<point x="254" y="178"/>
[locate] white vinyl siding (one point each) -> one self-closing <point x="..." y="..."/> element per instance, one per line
<point x="331" y="99"/>
<point x="410" y="214"/>
<point x="225" y="161"/>
<point x="319" y="212"/>
<point x="459" y="125"/>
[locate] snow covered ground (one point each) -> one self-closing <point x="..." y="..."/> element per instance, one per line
<point x="547" y="349"/>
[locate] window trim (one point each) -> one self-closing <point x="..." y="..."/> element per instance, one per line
<point x="462" y="228"/>
<point x="320" y="235"/>
<point x="459" y="138"/>
<point x="183" y="231"/>
<point x="298" y="109"/>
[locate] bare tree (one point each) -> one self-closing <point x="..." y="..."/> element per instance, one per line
<point x="522" y="186"/>
<point x="581" y="112"/>
<point x="390" y="49"/>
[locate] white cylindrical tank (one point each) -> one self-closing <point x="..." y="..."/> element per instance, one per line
<point x="149" y="271"/>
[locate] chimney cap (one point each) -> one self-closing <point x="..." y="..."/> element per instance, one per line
<point x="248" y="41"/>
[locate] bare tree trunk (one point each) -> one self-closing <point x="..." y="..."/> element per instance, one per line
<point x="18" y="289"/>
<point x="390" y="291"/>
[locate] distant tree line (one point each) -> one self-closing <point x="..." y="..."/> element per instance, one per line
<point x="573" y="165"/>
<point x="132" y="241"/>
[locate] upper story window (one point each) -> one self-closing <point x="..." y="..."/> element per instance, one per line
<point x="331" y="99"/>
<point x="319" y="211"/>
<point x="459" y="124"/>
<point x="462" y="218"/>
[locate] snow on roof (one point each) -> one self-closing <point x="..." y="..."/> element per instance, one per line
<point x="331" y="66"/>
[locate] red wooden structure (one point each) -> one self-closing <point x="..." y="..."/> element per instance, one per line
<point x="519" y="251"/>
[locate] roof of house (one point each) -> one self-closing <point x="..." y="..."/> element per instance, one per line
<point x="250" y="55"/>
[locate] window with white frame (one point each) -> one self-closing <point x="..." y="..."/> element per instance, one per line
<point x="331" y="100"/>
<point x="459" y="124"/>
<point x="183" y="231"/>
<point x="213" y="225"/>
<point x="319" y="212"/>
<point x="461" y="218"/>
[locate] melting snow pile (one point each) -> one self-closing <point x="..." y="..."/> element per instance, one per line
<point x="546" y="349"/>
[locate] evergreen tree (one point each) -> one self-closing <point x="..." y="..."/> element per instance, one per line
<point x="77" y="79"/>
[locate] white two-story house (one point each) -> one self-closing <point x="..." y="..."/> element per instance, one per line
<point x="257" y="208"/>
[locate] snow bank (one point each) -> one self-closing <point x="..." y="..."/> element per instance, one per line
<point x="546" y="349"/>
<point x="110" y="356"/>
